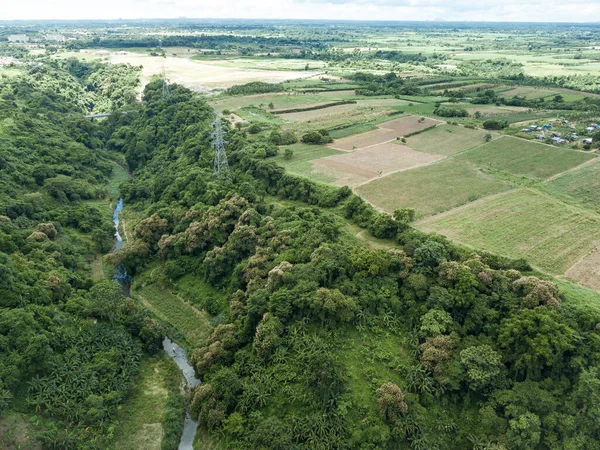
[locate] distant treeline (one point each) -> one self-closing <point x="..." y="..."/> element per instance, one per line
<point x="202" y="41"/>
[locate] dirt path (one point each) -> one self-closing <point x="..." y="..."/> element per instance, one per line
<point x="572" y="169"/>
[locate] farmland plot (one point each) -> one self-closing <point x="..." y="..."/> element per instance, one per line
<point x="522" y="224"/>
<point x="386" y="132"/>
<point x="525" y="158"/>
<point x="431" y="189"/>
<point x="446" y="140"/>
<point x="372" y="162"/>
<point x="580" y="186"/>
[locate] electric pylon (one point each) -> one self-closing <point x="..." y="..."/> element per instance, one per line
<point x="221" y="166"/>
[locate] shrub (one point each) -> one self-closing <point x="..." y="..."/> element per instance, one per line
<point x="254" y="128"/>
<point x="444" y="111"/>
<point x="494" y="124"/>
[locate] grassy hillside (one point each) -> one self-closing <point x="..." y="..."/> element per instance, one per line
<point x="523" y="224"/>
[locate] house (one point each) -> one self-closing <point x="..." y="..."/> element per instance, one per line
<point x="574" y="136"/>
<point x="548" y="126"/>
<point x="587" y="141"/>
<point x="526" y="130"/>
<point x="18" y="38"/>
<point x="540" y="137"/>
<point x="590" y="129"/>
<point x="558" y="141"/>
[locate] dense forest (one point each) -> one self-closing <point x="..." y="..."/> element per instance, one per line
<point x="69" y="346"/>
<point x="464" y="349"/>
<point x="319" y="340"/>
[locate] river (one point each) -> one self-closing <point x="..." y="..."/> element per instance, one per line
<point x="178" y="354"/>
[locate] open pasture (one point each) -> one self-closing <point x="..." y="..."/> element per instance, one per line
<point x="524" y="158"/>
<point x="431" y="189"/>
<point x="303" y="116"/>
<point x="300" y="163"/>
<point x="446" y="139"/>
<point x="372" y="162"/>
<point x="350" y="117"/>
<point x="386" y="132"/>
<point x="528" y="92"/>
<point x="580" y="186"/>
<point x="522" y="224"/>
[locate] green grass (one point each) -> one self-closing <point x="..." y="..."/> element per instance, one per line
<point x="300" y="164"/>
<point x="140" y="420"/>
<point x="119" y="176"/>
<point x="524" y="158"/>
<point x="431" y="189"/>
<point x="175" y="311"/>
<point x="523" y="224"/>
<point x="257" y="115"/>
<point x="200" y="293"/>
<point x="579" y="297"/>
<point x="581" y="186"/>
<point x="446" y="140"/>
<point x="352" y="129"/>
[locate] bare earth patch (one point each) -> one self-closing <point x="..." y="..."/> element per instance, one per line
<point x="586" y="271"/>
<point x="387" y="131"/>
<point x="369" y="163"/>
<point x="201" y="76"/>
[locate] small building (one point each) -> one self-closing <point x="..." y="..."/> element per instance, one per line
<point x="574" y="136"/>
<point x="587" y="141"/>
<point x="548" y="126"/>
<point x="590" y="129"/>
<point x="526" y="130"/>
<point x="558" y="141"/>
<point x="540" y="137"/>
<point x="53" y="37"/>
<point x="18" y="38"/>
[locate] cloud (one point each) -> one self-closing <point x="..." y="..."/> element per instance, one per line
<point x="455" y="10"/>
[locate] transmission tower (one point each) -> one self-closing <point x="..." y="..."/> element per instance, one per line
<point x="221" y="166"/>
<point x="165" y="84"/>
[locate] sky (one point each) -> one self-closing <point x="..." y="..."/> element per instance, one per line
<point x="438" y="10"/>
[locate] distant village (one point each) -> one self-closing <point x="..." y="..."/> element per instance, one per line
<point x="558" y="137"/>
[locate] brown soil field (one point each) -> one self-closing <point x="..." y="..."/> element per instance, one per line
<point x="387" y="131"/>
<point x="372" y="162"/>
<point x="587" y="271"/>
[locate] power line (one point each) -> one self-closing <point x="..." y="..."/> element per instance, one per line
<point x="221" y="166"/>
<point x="165" y="84"/>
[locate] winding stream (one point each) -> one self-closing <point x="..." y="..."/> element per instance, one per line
<point x="178" y="354"/>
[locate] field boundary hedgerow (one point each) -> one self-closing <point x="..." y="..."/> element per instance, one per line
<point x="315" y="107"/>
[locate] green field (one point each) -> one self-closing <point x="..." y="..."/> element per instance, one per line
<point x="300" y="163"/>
<point x="581" y="186"/>
<point x="446" y="140"/>
<point x="140" y="420"/>
<point x="431" y="189"/>
<point x="523" y="224"/>
<point x="285" y="100"/>
<point x="525" y="158"/>
<point x="172" y="309"/>
<point x="352" y="129"/>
